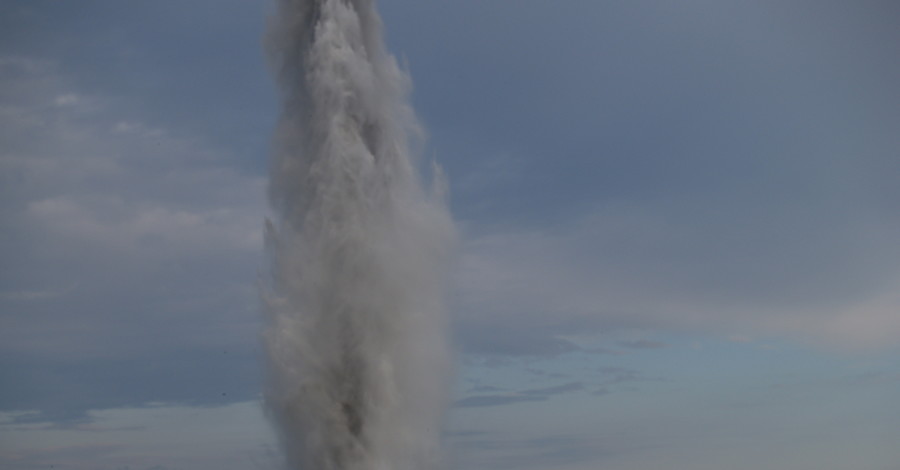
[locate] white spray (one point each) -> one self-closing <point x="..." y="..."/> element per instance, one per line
<point x="357" y="359"/>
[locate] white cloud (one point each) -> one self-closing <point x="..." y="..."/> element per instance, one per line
<point x="95" y="196"/>
<point x="67" y="99"/>
<point x="235" y="436"/>
<point x="127" y="227"/>
<point x="30" y="295"/>
<point x="872" y="321"/>
<point x="119" y="182"/>
<point x="631" y="267"/>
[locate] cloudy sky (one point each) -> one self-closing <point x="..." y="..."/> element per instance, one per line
<point x="679" y="231"/>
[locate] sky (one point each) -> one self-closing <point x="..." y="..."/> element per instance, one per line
<point x="678" y="231"/>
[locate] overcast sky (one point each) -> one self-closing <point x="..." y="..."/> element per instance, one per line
<point x="679" y="220"/>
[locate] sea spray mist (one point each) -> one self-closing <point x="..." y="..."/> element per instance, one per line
<point x="357" y="361"/>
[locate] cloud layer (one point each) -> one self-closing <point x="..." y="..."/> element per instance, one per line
<point x="130" y="251"/>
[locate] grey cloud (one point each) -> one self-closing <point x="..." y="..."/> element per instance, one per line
<point x="625" y="267"/>
<point x="535" y="394"/>
<point x="544" y="373"/>
<point x="30" y="459"/>
<point x="602" y="350"/>
<point x="485" y="388"/>
<point x="210" y="81"/>
<point x="131" y="255"/>
<point x="464" y="434"/>
<point x="87" y="425"/>
<point x="556" y="390"/>
<point x="711" y="175"/>
<point x="63" y="391"/>
<point x="619" y="375"/>
<point x="510" y="340"/>
<point x="874" y="378"/>
<point x="548" y="452"/>
<point x="642" y="344"/>
<point x="635" y="113"/>
<point x="495" y="400"/>
<point x="35" y="295"/>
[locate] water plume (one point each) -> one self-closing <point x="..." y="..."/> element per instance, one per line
<point x="356" y="354"/>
